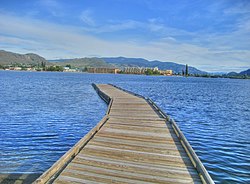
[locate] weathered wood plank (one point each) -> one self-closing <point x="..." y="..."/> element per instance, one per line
<point x="139" y="150"/>
<point x="135" y="133"/>
<point x="151" y="144"/>
<point x="126" y="175"/>
<point x="131" y="118"/>
<point x="132" y="167"/>
<point x="138" y="156"/>
<point x="141" y="123"/>
<point x="64" y="179"/>
<point x="124" y="163"/>
<point x="140" y="128"/>
<point x="138" y="147"/>
<point x="135" y="116"/>
<point x="156" y="140"/>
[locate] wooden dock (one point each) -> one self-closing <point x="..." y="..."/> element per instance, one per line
<point x="134" y="143"/>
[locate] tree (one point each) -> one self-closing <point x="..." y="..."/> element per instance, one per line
<point x="152" y="72"/>
<point x="186" y="70"/>
<point x="43" y="64"/>
<point x="68" y="65"/>
<point x="156" y="72"/>
<point x="149" y="72"/>
<point x="59" y="68"/>
<point x="55" y="68"/>
<point x="85" y="69"/>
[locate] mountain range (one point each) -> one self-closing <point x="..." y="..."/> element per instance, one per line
<point x="10" y="58"/>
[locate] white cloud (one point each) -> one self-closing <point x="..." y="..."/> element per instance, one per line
<point x="53" y="40"/>
<point x="53" y="7"/>
<point x="153" y="26"/>
<point x="86" y="17"/>
<point x="114" y="27"/>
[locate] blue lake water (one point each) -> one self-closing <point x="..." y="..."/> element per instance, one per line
<point x="43" y="114"/>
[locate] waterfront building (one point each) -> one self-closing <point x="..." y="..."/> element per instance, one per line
<point x="135" y="70"/>
<point x="166" y="72"/>
<point x="138" y="70"/>
<point x="103" y="70"/>
<point x="68" y="69"/>
<point x="16" y="68"/>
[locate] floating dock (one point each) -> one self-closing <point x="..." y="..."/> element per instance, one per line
<point x="135" y="142"/>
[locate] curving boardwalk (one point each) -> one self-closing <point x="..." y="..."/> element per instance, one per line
<point x="132" y="144"/>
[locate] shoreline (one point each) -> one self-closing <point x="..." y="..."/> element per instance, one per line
<point x="209" y="77"/>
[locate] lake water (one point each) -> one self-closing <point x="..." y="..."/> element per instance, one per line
<point x="43" y="114"/>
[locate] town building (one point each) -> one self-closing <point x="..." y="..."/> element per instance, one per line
<point x="138" y="70"/>
<point x="166" y="72"/>
<point x="103" y="70"/>
<point x="68" y="69"/>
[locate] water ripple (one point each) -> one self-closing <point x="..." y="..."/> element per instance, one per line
<point x="45" y="114"/>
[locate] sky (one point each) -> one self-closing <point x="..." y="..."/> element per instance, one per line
<point x="212" y="35"/>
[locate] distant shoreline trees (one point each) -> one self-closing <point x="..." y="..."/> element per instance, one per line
<point x="152" y="72"/>
<point x="55" y="69"/>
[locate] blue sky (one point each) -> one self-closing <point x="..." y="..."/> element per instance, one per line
<point x="211" y="35"/>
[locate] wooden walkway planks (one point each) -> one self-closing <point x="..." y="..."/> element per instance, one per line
<point x="132" y="144"/>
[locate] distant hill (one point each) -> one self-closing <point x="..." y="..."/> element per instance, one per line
<point x="82" y="62"/>
<point x="243" y="73"/>
<point x="8" y="58"/>
<point x="139" y="62"/>
<point x="232" y="74"/>
<point x="246" y="72"/>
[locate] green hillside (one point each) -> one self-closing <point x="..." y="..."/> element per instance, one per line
<point x="10" y="58"/>
<point x="82" y="62"/>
